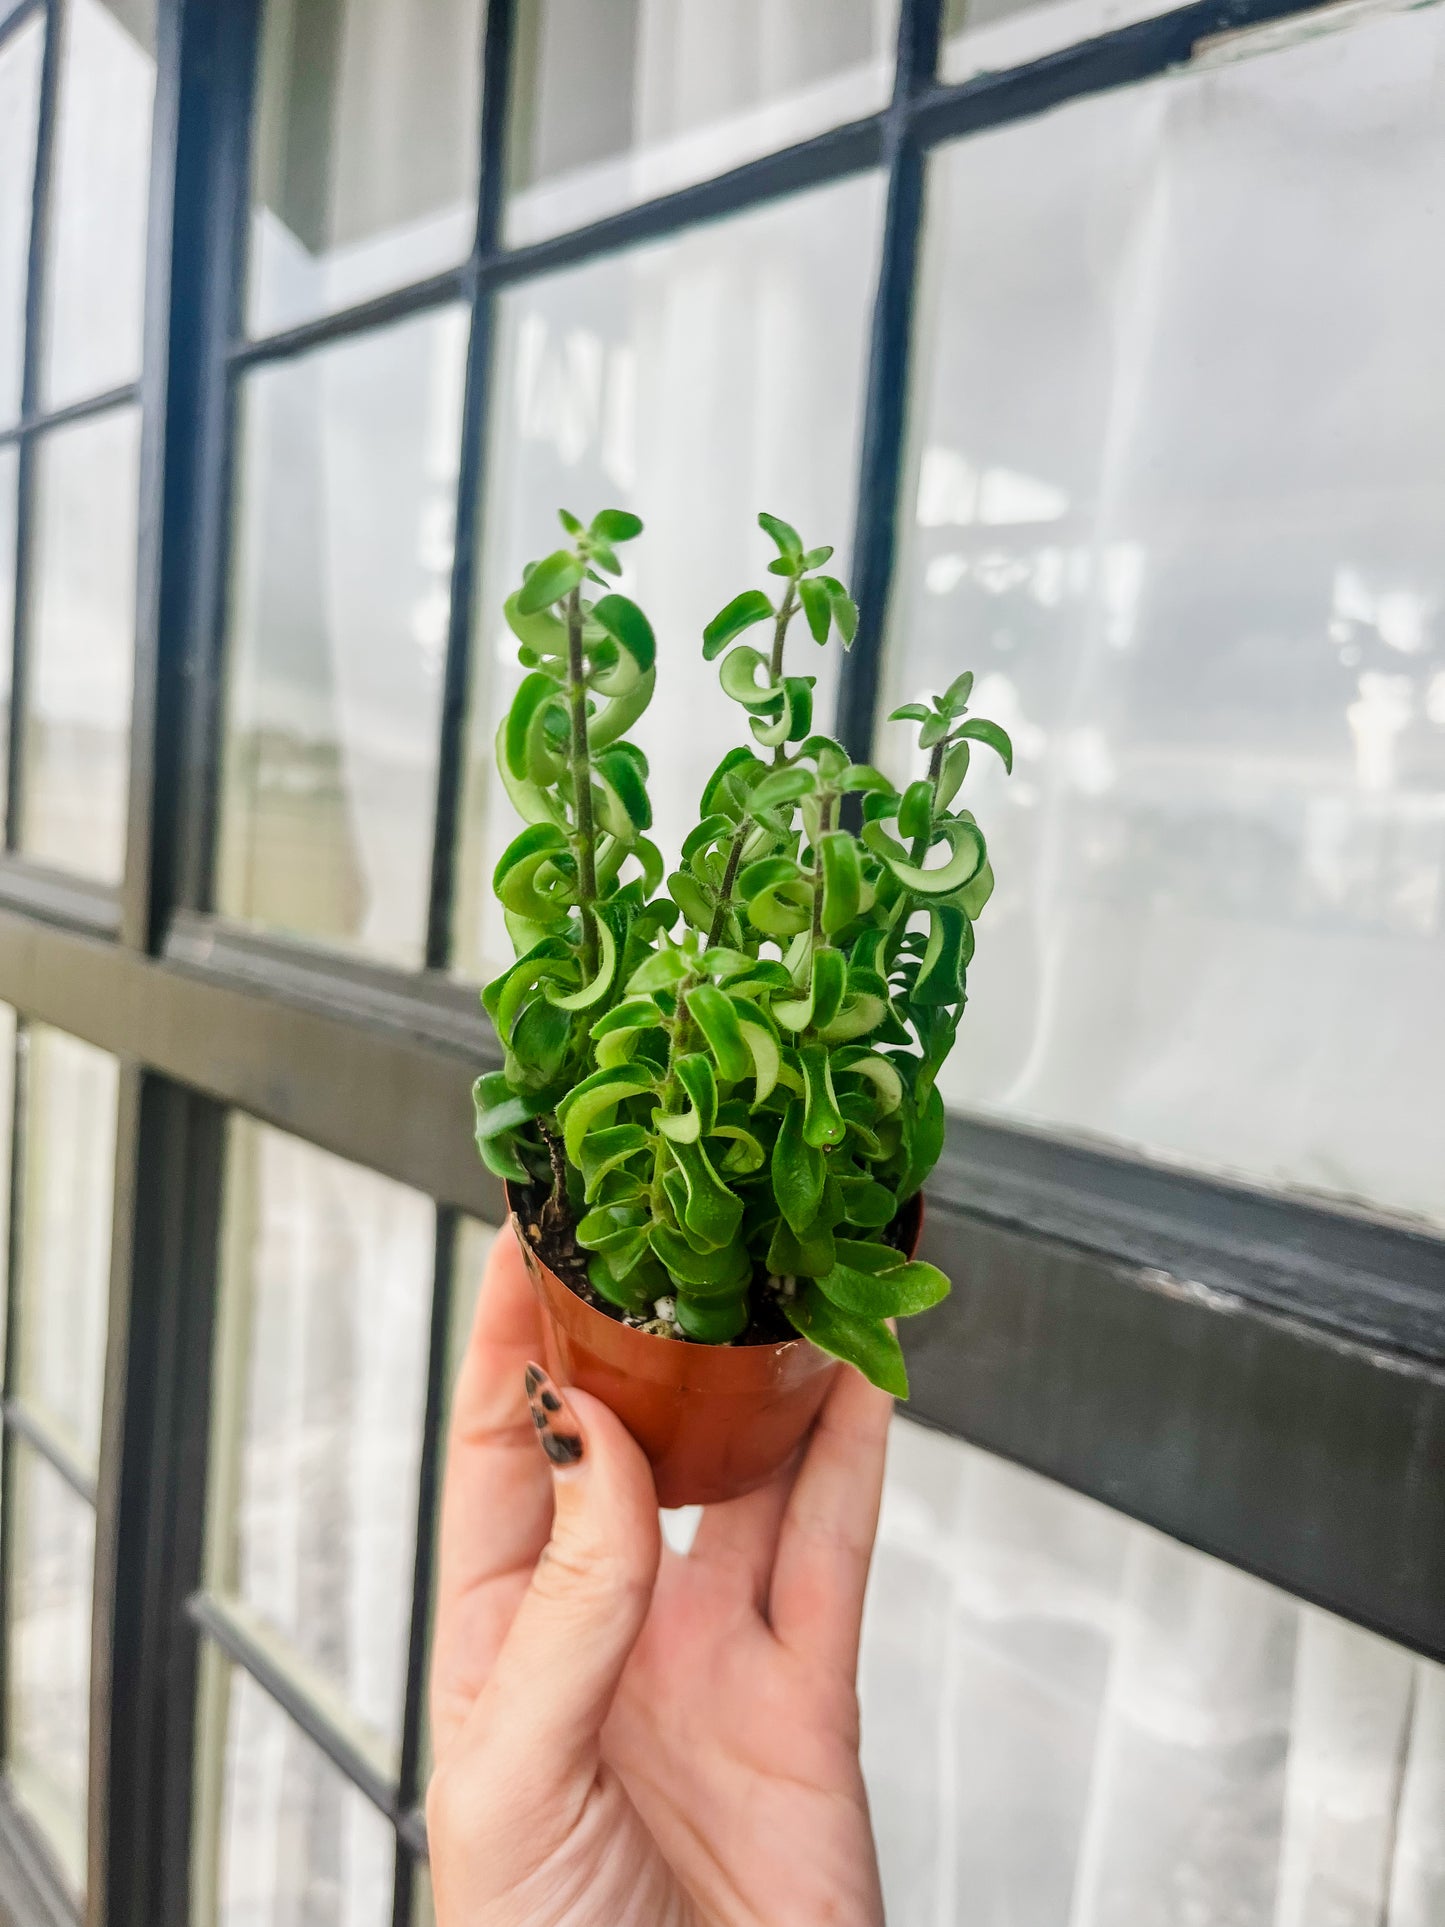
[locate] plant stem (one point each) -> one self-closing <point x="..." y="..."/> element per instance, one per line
<point x="730" y="876"/>
<point x="580" y="766"/>
<point x="827" y="804"/>
<point x="786" y="610"/>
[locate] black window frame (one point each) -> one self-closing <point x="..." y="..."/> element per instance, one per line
<point x="1260" y="1374"/>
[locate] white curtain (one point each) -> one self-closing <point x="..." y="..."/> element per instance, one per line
<point x="1073" y="1721"/>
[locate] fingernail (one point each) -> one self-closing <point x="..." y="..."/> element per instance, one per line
<point x="558" y="1433"/>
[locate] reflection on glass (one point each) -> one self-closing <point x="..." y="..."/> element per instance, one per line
<point x="48" y="1662"/>
<point x="7" y="1116"/>
<point x="613" y="105"/>
<point x="297" y="1845"/>
<point x="328" y="1281"/>
<point x="9" y="506"/>
<point x="67" y="1137"/>
<point x="338" y="624"/>
<point x="20" y="58"/>
<point x="97" y="237"/>
<point x="474" y="1242"/>
<point x="366" y="150"/>
<point x="986" y="36"/>
<point x="696" y="382"/>
<point x="1178" y="501"/>
<point x="1073" y="1721"/>
<point x="81" y="657"/>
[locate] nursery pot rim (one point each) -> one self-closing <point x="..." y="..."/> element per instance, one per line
<point x="683" y="1363"/>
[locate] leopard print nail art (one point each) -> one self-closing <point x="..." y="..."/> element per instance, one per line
<point x="558" y="1433"/>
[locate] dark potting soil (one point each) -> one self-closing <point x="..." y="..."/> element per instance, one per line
<point x="551" y="1236"/>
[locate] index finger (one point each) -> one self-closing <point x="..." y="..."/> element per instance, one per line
<point x="497" y="1497"/>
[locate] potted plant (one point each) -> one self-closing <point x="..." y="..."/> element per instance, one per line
<point x="719" y="1101"/>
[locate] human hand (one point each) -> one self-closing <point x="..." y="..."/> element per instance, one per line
<point x="627" y="1736"/>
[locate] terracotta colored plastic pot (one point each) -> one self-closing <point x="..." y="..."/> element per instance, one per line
<point x="715" y="1421"/>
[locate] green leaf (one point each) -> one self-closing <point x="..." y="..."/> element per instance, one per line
<point x="604" y="1151"/>
<point x="822" y="1121"/>
<point x="815" y="558"/>
<point x="616" y="525"/>
<point x="941" y="974"/>
<point x="570" y="522"/>
<point x="868" y="1204"/>
<point x="548" y="581"/>
<point x="824" y="997"/>
<point x="845" y="612"/>
<point x="865" y="779"/>
<point x="798" y="1170"/>
<point x="594" y="991"/>
<point x="818" y="609"/>
<point x="881" y="1072"/>
<point x="956" y="696"/>
<point x="517" y="881"/>
<point x="808" y="1256"/>
<point x="716" y="1018"/>
<point x="538" y="1044"/>
<point x="794" y="719"/>
<point x="628" y="627"/>
<point x="636" y="1013"/>
<point x="711" y="1213"/>
<point x="730" y="621"/>
<point x="965" y="859"/>
<point x="706" y="1274"/>
<point x="498" y="1108"/>
<point x="626" y="808"/>
<point x="712" y="1321"/>
<point x="896" y="1293"/>
<point x="915" y="809"/>
<point x="661" y="971"/>
<point x="739" y="678"/>
<point x="787" y="538"/>
<point x="782" y="786"/>
<point x="910" y="713"/>
<point x="951" y="774"/>
<point x="595" y="1096"/>
<point x="997" y="739"/>
<point x="763" y="1048"/>
<point x="977" y="891"/>
<point x="842" y="880"/>
<point x="695" y="903"/>
<point x="694" y="1073"/>
<point x="731" y="781"/>
<point x="534" y="695"/>
<point x="864" y="1342"/>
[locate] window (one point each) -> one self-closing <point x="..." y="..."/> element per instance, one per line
<point x="1100" y="338"/>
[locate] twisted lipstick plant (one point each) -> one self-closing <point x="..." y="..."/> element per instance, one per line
<point x="725" y="1085"/>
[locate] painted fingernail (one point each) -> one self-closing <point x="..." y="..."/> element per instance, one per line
<point x="558" y="1433"/>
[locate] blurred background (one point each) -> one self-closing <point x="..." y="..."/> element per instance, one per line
<point x="1104" y="341"/>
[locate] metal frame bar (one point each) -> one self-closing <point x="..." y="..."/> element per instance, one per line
<point x="1180" y="1347"/>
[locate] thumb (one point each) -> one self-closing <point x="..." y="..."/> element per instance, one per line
<point x="560" y="1663"/>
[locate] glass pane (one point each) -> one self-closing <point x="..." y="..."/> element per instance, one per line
<point x="616" y="104"/>
<point x="474" y="1242"/>
<point x="1179" y="503"/>
<point x="20" y="58"/>
<point x="81" y="662"/>
<point x="339" y="604"/>
<point x="366" y="151"/>
<point x="1070" y="1720"/>
<point x="9" y="504"/>
<point x="95" y="248"/>
<point x="695" y="382"/>
<point x="67" y="1137"/>
<point x="322" y="1353"/>
<point x="48" y="1663"/>
<point x="987" y="36"/>
<point x="294" y="1844"/>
